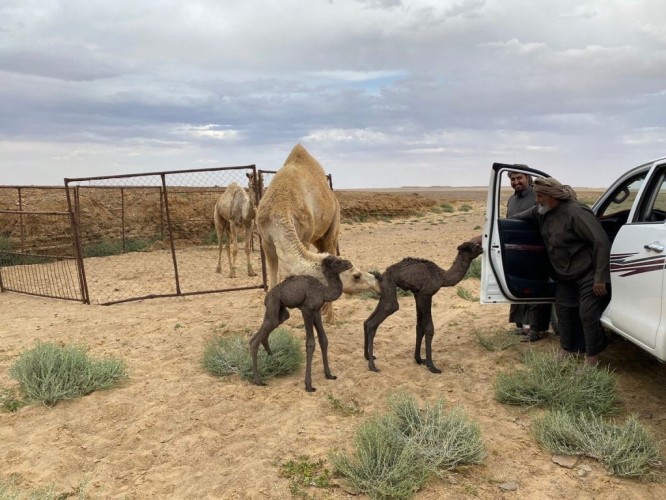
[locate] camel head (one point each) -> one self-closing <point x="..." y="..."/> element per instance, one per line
<point x="356" y="281"/>
<point x="472" y="248"/>
<point x="335" y="265"/>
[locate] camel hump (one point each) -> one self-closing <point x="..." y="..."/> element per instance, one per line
<point x="300" y="156"/>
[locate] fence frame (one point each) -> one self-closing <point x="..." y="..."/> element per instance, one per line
<point x="72" y="192"/>
<point x="164" y="198"/>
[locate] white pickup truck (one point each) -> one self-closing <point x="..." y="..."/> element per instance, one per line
<point x="632" y="211"/>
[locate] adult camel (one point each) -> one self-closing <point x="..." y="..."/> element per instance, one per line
<point x="298" y="209"/>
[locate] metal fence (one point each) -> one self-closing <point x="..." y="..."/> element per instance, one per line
<point x="37" y="253"/>
<point x="152" y="235"/>
<point x="121" y="238"/>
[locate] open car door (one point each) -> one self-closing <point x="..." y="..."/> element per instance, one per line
<point x="515" y="265"/>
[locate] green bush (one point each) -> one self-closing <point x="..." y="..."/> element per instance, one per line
<point x="558" y="384"/>
<point x="624" y="450"/>
<point x="465" y="208"/>
<point x="305" y="473"/>
<point x="49" y="373"/>
<point x="465" y="294"/>
<point x="395" y="453"/>
<point x="446" y="207"/>
<point x="474" y="270"/>
<point x="231" y="355"/>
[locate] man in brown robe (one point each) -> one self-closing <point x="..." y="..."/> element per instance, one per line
<point x="579" y="252"/>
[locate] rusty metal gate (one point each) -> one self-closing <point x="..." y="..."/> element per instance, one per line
<point x="121" y="238"/>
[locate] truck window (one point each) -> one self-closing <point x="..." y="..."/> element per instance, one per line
<point x="653" y="205"/>
<point x="613" y="214"/>
<point x="622" y="199"/>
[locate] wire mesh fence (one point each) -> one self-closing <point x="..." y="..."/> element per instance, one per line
<point x="152" y="235"/>
<point x="37" y="254"/>
<point x="118" y="238"/>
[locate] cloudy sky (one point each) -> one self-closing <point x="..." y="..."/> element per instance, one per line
<point x="384" y="93"/>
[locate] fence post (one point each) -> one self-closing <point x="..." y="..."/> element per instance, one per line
<point x="20" y="207"/>
<point x="122" y="217"/>
<point x="170" y="230"/>
<point x="76" y="237"/>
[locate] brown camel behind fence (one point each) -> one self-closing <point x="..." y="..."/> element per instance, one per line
<point x="298" y="209"/>
<point x="234" y="212"/>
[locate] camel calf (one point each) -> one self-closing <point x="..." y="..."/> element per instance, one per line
<point x="308" y="294"/>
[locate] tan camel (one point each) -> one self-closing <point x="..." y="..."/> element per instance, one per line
<point x="234" y="211"/>
<point x="299" y="208"/>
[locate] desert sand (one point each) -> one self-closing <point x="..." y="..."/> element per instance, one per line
<point x="172" y="430"/>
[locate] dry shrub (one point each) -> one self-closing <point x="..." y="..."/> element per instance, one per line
<point x="50" y="372"/>
<point x="563" y="384"/>
<point x="395" y="453"/>
<point x="231" y="355"/>
<point x="624" y="450"/>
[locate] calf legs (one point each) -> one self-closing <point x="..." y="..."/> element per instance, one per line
<point x="310" y="319"/>
<point x="275" y="315"/>
<point x="387" y="305"/>
<point x="424" y="327"/>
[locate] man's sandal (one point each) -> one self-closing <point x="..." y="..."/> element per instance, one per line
<point x="533" y="337"/>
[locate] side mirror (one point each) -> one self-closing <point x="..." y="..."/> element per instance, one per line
<point x="622" y="195"/>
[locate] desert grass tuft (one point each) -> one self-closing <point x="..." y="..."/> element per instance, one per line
<point x="443" y="439"/>
<point x="624" y="450"/>
<point x="465" y="294"/>
<point x="395" y="453"/>
<point x="304" y="473"/>
<point x="10" y="491"/>
<point x="497" y="340"/>
<point x="350" y="408"/>
<point x="50" y="372"/>
<point x="231" y="355"/>
<point x="474" y="270"/>
<point x="10" y="401"/>
<point x="564" y="384"/>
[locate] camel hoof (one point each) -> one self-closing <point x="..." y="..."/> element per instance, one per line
<point x="218" y="270"/>
<point x="310" y="389"/>
<point x="434" y="369"/>
<point x="374" y="369"/>
<point x="331" y="377"/>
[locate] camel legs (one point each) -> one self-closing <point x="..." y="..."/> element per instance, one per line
<point x="424" y="327"/>
<point x="271" y="262"/>
<point x="248" y="243"/>
<point x="387" y="305"/>
<point x="308" y="319"/>
<point x="275" y="315"/>
<point x="232" y="249"/>
<point x="323" y="344"/>
<point x="221" y="228"/>
<point x="328" y="243"/>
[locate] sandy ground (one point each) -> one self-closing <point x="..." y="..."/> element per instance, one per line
<point x="175" y="431"/>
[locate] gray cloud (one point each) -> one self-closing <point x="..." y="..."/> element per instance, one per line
<point x="384" y="92"/>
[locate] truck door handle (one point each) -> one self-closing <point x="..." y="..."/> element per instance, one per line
<point x="655" y="246"/>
